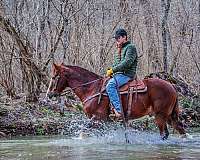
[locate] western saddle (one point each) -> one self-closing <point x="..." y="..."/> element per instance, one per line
<point x="133" y="87"/>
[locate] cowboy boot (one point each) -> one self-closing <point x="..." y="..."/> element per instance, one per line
<point x="116" y="116"/>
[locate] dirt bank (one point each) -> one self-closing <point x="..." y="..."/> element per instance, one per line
<point x="18" y="118"/>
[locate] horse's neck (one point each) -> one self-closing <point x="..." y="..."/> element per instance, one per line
<point x="84" y="84"/>
<point x="84" y="90"/>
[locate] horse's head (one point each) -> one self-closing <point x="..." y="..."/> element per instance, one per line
<point x="58" y="81"/>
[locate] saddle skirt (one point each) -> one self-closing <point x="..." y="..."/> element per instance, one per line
<point x="134" y="85"/>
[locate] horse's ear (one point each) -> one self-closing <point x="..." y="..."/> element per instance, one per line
<point x="56" y="67"/>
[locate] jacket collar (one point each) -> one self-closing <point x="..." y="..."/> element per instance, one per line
<point x="123" y="45"/>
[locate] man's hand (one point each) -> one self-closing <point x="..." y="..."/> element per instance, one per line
<point x="109" y="72"/>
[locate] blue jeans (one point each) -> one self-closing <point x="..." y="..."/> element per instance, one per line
<point x="111" y="89"/>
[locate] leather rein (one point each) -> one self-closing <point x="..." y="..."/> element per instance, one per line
<point x="84" y="84"/>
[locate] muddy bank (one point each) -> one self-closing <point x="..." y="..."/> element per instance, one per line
<point x="18" y="118"/>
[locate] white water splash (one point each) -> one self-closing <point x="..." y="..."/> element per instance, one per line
<point x="135" y="137"/>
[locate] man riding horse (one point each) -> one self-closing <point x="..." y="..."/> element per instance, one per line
<point x="155" y="96"/>
<point x="123" y="69"/>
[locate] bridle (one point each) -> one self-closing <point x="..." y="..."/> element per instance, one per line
<point x="56" y="77"/>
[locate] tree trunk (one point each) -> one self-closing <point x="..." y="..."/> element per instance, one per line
<point x="152" y="53"/>
<point x="166" y="7"/>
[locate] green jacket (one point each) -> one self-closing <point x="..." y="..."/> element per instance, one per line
<point x="128" y="63"/>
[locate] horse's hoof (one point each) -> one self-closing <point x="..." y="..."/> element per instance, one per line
<point x="186" y="135"/>
<point x="164" y="137"/>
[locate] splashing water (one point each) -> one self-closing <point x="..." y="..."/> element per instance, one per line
<point x="85" y="139"/>
<point x="112" y="145"/>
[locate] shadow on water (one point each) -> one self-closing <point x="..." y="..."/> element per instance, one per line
<point x="143" y="145"/>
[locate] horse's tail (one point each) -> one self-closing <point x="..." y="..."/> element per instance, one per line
<point x="175" y="111"/>
<point x="174" y="119"/>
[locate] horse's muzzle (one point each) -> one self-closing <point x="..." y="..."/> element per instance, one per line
<point x="53" y="94"/>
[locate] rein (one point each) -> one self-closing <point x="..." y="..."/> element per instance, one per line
<point x="85" y="84"/>
<point x="73" y="88"/>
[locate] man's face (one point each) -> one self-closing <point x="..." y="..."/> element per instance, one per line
<point x="120" y="40"/>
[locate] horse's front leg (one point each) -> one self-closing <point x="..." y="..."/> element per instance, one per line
<point x="97" y="111"/>
<point x="166" y="134"/>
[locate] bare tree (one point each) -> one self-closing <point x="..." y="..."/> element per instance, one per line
<point x="166" y="7"/>
<point x="36" y="33"/>
<point x="152" y="54"/>
<point x="33" y="70"/>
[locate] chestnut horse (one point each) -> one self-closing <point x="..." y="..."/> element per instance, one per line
<point x="159" y="100"/>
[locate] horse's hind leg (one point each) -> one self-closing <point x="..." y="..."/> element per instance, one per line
<point x="161" y="123"/>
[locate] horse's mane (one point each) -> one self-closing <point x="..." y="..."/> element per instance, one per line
<point x="87" y="74"/>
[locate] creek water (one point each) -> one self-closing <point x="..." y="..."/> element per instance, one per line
<point x="112" y="146"/>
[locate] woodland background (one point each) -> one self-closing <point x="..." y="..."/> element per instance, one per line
<point x="36" y="33"/>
